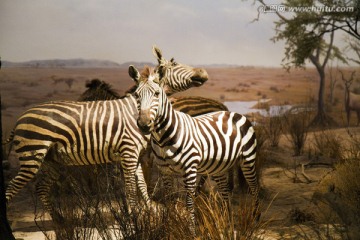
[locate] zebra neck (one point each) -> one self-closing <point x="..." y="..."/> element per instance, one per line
<point x="166" y="123"/>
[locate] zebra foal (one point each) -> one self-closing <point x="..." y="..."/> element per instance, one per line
<point x="186" y="146"/>
<point x="87" y="133"/>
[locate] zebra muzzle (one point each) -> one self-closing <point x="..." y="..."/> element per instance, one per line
<point x="199" y="77"/>
<point x="144" y="128"/>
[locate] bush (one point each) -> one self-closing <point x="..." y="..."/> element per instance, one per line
<point x="297" y="127"/>
<point x="217" y="222"/>
<point x="340" y="193"/>
<point x="328" y="144"/>
<point x="273" y="130"/>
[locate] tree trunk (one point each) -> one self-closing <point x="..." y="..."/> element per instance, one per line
<point x="5" y="230"/>
<point x="321" y="105"/>
<point x="321" y="118"/>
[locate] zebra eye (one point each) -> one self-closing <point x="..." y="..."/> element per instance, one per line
<point x="157" y="92"/>
<point x="136" y="94"/>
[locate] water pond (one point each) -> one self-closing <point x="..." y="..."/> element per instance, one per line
<point x="247" y="107"/>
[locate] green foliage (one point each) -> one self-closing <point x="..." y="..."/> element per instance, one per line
<point x="304" y="33"/>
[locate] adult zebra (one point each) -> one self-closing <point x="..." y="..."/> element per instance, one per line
<point x="192" y="105"/>
<point x="209" y="144"/>
<point x="85" y="133"/>
<point x="100" y="90"/>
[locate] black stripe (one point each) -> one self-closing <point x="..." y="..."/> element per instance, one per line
<point x="44" y="125"/>
<point x="38" y="136"/>
<point x="29" y="148"/>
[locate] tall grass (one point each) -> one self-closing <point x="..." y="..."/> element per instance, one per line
<point x="339" y="194"/>
<point x="328" y="144"/>
<point x="99" y="211"/>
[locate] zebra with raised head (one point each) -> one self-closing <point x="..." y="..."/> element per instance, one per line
<point x="85" y="133"/>
<point x="100" y="90"/>
<point x="192" y="105"/>
<point x="186" y="146"/>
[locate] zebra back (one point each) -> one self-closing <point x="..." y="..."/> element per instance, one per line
<point x="196" y="105"/>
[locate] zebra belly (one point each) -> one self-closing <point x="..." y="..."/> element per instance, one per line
<point x="216" y="166"/>
<point x="72" y="156"/>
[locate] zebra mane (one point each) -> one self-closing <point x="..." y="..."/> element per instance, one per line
<point x="146" y="73"/>
<point x="131" y="90"/>
<point x="144" y="76"/>
<point x="98" y="90"/>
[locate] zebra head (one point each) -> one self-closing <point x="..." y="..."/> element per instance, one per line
<point x="177" y="77"/>
<point x="148" y="95"/>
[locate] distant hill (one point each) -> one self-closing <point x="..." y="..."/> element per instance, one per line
<point x="64" y="63"/>
<point x="137" y="64"/>
<point x="91" y="63"/>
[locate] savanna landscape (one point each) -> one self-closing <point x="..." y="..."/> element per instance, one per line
<point x="308" y="174"/>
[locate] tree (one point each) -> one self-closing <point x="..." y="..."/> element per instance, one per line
<point x="307" y="37"/>
<point x="354" y="46"/>
<point x="345" y="19"/>
<point x="333" y="80"/>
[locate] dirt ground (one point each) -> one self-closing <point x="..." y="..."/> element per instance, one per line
<point x="21" y="88"/>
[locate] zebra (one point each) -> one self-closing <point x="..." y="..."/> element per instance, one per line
<point x="101" y="90"/>
<point x="192" y="105"/>
<point x="94" y="132"/>
<point x="186" y="146"/>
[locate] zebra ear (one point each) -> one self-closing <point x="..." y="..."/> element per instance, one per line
<point x="157" y="53"/>
<point x="134" y="73"/>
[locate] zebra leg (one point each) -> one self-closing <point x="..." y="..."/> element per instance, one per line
<point x="146" y="160"/>
<point x="141" y="184"/>
<point x="190" y="184"/>
<point x="224" y="184"/>
<point x="30" y="163"/>
<point x="46" y="180"/>
<point x="200" y="186"/>
<point x="129" y="167"/>
<point x="248" y="168"/>
<point x="168" y="187"/>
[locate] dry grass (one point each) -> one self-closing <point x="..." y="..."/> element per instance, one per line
<point x="339" y="194"/>
<point x="297" y="127"/>
<point x="97" y="210"/>
<point x="328" y="144"/>
<point x="217" y="222"/>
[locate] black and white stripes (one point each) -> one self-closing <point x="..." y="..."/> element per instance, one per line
<point x="209" y="144"/>
<point x="85" y="133"/>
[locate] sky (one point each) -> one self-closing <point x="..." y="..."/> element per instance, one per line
<point x="193" y="32"/>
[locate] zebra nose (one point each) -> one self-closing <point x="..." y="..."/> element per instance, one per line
<point x="144" y="122"/>
<point x="145" y="129"/>
<point x="199" y="77"/>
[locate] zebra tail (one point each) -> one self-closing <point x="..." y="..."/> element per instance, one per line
<point x="10" y="138"/>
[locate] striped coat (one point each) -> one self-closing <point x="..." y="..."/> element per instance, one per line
<point x="85" y="133"/>
<point x="186" y="146"/>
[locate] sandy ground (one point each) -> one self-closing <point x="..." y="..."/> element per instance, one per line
<point x="21" y="88"/>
